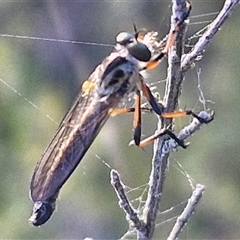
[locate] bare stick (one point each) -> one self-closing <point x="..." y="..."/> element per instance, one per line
<point x="123" y="200"/>
<point x="187" y="212"/>
<point x="213" y="28"/>
<point x="160" y="156"/>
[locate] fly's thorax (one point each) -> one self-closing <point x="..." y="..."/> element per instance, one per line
<point x="120" y="75"/>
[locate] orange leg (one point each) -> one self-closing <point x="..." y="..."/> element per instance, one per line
<point x="137" y="119"/>
<point x="159" y="109"/>
<point x="137" y="116"/>
<point x="153" y="137"/>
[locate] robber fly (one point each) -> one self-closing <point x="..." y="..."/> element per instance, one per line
<point x="116" y="77"/>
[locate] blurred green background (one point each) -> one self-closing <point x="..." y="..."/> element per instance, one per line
<point x="49" y="74"/>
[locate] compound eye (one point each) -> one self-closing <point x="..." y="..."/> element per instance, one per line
<point x="140" y="51"/>
<point x="41" y="213"/>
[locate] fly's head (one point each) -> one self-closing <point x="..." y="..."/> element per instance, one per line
<point x="42" y="211"/>
<point x="135" y="48"/>
<point x="121" y="75"/>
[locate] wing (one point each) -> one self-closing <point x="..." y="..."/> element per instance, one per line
<point x="100" y="93"/>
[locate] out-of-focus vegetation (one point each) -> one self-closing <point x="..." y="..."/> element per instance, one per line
<point x="49" y="74"/>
